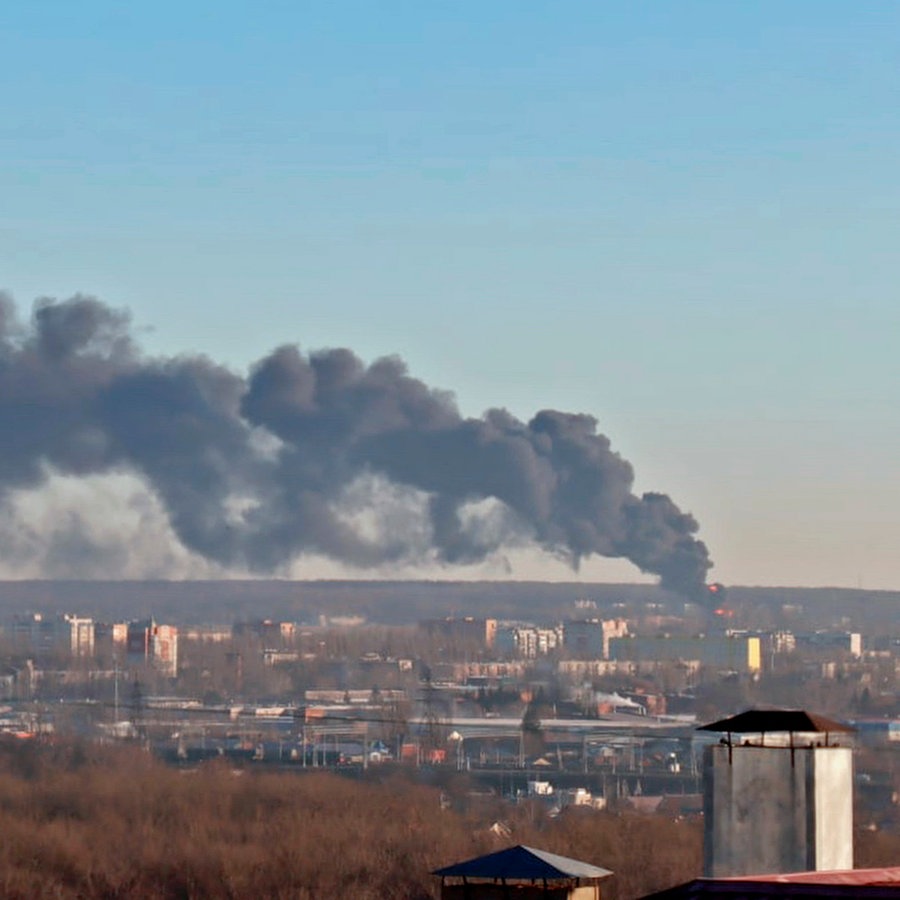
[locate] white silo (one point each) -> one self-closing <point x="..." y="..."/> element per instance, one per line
<point x="778" y="795"/>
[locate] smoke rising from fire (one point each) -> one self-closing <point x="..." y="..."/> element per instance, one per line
<point x="317" y="453"/>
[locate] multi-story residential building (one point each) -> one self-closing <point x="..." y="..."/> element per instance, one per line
<point x="110" y="639"/>
<point x="526" y="640"/>
<point x="272" y="634"/>
<point x="80" y="634"/>
<point x="67" y="633"/>
<point x="154" y="644"/>
<point x="589" y="638"/>
<point x="783" y="642"/>
<point x="207" y="634"/>
<point x="468" y="628"/>
<point x="736" y="652"/>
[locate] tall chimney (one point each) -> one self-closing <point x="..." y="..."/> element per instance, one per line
<point x="778" y="795"/>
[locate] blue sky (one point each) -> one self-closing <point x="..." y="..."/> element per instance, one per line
<point x="681" y="218"/>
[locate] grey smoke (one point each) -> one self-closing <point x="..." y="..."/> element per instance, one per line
<point x="318" y="453"/>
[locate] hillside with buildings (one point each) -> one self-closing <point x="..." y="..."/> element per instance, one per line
<point x="574" y="710"/>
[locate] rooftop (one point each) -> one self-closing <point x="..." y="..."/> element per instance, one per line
<point x="762" y="721"/>
<point x="522" y="863"/>
<point x="875" y="883"/>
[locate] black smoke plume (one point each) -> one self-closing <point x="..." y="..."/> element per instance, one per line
<point x="319" y="453"/>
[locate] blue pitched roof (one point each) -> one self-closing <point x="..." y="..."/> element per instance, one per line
<point x="521" y="863"/>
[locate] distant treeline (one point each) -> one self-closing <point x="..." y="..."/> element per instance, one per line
<point x="386" y="602"/>
<point x="401" y="602"/>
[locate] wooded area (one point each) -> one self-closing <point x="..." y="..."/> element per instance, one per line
<point x="87" y="821"/>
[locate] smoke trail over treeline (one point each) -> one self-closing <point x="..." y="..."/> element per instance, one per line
<point x="318" y="454"/>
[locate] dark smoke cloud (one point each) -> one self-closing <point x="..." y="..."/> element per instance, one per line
<point x="300" y="456"/>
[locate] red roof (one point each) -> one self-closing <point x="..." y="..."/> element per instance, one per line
<point x="838" y="876"/>
<point x="845" y="884"/>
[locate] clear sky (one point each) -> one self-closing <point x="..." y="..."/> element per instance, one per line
<point x="681" y="218"/>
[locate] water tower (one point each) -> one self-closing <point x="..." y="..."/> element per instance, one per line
<point x="778" y="795"/>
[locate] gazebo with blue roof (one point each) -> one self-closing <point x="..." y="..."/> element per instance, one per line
<point x="523" y="873"/>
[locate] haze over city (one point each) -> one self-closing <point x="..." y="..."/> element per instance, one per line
<point x="675" y="227"/>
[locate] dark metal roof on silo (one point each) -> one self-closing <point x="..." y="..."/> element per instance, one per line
<point x="521" y="863"/>
<point x="758" y="721"/>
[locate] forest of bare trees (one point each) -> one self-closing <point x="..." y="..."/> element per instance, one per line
<point x="93" y="822"/>
<point x="88" y="821"/>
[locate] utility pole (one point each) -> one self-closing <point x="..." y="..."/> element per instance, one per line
<point x="115" y="690"/>
<point x="432" y="720"/>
